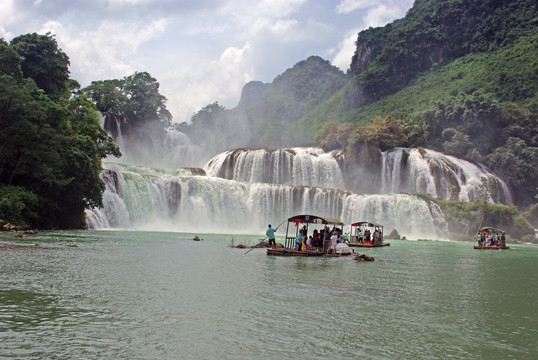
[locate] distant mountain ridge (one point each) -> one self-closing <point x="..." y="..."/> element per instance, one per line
<point x="272" y="109"/>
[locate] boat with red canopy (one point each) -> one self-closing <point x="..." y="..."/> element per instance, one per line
<point x="489" y="238"/>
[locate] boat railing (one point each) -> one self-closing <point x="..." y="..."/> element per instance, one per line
<point x="290" y="242"/>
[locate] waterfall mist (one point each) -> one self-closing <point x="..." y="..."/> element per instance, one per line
<point x="185" y="187"/>
<point x="142" y="198"/>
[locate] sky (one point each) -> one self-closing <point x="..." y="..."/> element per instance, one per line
<point x="200" y="51"/>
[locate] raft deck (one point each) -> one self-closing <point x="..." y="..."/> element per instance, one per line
<point x="356" y="244"/>
<point x="491" y="247"/>
<point x="292" y="252"/>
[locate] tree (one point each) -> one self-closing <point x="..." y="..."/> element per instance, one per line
<point x="84" y="120"/>
<point x="146" y="104"/>
<point x="10" y="62"/>
<point x="50" y="156"/>
<point x="327" y="136"/>
<point x="44" y="62"/>
<point x="385" y="132"/>
<point x="516" y="163"/>
<point x="130" y="104"/>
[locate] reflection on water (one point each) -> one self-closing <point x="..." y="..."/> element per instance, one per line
<point x="162" y="295"/>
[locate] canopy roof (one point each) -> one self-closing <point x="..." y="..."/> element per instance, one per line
<point x="314" y="219"/>
<point x="490" y="229"/>
<point x="367" y="223"/>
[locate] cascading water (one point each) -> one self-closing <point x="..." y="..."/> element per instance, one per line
<point x="180" y="200"/>
<point x="294" y="166"/>
<point x="242" y="191"/>
<point x="174" y="149"/>
<point x="427" y="171"/>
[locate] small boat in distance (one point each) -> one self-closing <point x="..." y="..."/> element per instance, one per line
<point x="489" y="238"/>
<point x="310" y="235"/>
<point x="366" y="234"/>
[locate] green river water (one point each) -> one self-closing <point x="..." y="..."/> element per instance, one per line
<point x="152" y="295"/>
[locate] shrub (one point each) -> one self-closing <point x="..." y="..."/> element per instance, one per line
<point x="18" y="205"/>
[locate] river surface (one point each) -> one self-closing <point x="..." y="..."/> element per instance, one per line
<point x="152" y="295"/>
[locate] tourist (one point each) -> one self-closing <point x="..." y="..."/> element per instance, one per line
<point x="360" y="236"/>
<point x="271" y="234"/>
<point x="304" y="232"/>
<point x="310" y="243"/>
<point x="316" y="239"/>
<point x="334" y="241"/>
<point x="479" y="238"/>
<point x="346" y="238"/>
<point x="298" y="241"/>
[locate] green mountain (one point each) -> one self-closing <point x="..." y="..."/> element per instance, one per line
<point x="273" y="109"/>
<point x="457" y="76"/>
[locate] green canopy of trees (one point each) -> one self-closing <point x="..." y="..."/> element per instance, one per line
<point x="51" y="144"/>
<point x="135" y="99"/>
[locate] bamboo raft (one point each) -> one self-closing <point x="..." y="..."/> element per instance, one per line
<point x="295" y="243"/>
<point x="370" y="245"/>
<point x="489" y="231"/>
<point x="491" y="247"/>
<point x="361" y="226"/>
<point x="291" y="252"/>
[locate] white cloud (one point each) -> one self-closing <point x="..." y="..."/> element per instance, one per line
<point x="347" y="6"/>
<point x="345" y="50"/>
<point x="8" y="17"/>
<point x="192" y="87"/>
<point x="381" y="15"/>
<point x="252" y="18"/>
<point x="106" y="52"/>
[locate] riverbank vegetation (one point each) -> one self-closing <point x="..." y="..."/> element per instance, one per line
<point x="51" y="143"/>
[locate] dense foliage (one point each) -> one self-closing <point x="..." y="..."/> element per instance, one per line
<point x="51" y="143"/>
<point x="436" y="32"/>
<point x="44" y="62"/>
<point x="135" y="100"/>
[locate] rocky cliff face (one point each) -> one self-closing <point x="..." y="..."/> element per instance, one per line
<point x="251" y="94"/>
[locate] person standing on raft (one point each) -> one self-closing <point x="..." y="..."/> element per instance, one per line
<point x="271" y="234"/>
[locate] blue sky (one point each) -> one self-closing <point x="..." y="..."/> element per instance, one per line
<point x="200" y="51"/>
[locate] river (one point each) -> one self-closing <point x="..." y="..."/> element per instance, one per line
<point x="160" y="295"/>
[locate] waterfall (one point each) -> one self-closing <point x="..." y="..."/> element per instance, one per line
<point x="241" y="191"/>
<point x="187" y="200"/>
<point x="427" y="171"/>
<point x="173" y="150"/>
<point x="402" y="170"/>
<point x="292" y="166"/>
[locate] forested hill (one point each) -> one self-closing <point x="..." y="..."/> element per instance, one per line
<point x="273" y="109"/>
<point x="457" y="76"/>
<point x="436" y="33"/>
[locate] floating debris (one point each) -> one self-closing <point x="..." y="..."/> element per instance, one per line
<point x="363" y="257"/>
